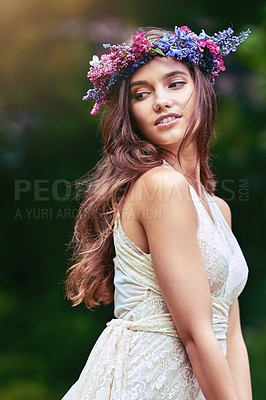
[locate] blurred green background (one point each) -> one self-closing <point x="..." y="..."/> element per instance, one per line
<point x="49" y="140"/>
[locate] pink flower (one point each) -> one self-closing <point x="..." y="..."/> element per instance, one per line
<point x="221" y="63"/>
<point x="96" y="109"/>
<point x="140" y="44"/>
<point x="212" y="46"/>
<point x="185" y="29"/>
<point x="202" y="43"/>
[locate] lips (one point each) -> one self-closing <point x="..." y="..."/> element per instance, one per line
<point x="164" y="119"/>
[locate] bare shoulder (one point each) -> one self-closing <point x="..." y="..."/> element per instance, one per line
<point x="225" y="209"/>
<point x="157" y="200"/>
<point x="161" y="173"/>
<point x="166" y="192"/>
<point x="159" y="183"/>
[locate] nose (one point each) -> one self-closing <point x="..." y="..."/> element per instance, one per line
<point x="162" y="100"/>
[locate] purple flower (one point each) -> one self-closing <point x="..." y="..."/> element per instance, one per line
<point x="203" y="50"/>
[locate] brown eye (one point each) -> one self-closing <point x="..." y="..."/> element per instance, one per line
<point x="140" y="96"/>
<point x="177" y="84"/>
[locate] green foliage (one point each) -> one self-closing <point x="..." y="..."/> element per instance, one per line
<point x="24" y="389"/>
<point x="160" y="52"/>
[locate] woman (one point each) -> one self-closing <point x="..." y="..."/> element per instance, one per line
<point x="150" y="233"/>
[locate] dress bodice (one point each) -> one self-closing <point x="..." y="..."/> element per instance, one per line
<point x="226" y="268"/>
<point x="140" y="355"/>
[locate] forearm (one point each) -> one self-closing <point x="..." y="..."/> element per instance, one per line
<point x="238" y="362"/>
<point x="211" y="369"/>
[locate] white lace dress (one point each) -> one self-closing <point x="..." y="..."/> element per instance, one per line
<point x="139" y="355"/>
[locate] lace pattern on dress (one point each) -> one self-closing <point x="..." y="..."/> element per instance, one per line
<point x="141" y="356"/>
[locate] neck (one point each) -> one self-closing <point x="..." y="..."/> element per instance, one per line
<point x="189" y="166"/>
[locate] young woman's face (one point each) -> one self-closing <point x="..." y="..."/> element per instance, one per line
<point x="162" y="99"/>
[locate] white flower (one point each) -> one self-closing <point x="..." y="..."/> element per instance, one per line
<point x="94" y="61"/>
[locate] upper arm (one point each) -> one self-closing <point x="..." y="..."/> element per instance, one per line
<point x="175" y="253"/>
<point x="234" y="331"/>
<point x="225" y="209"/>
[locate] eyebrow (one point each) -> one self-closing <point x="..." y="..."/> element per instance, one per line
<point x="168" y="75"/>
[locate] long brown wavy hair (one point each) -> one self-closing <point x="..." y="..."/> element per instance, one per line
<point x="126" y="156"/>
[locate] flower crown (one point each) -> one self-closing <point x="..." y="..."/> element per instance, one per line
<point x="204" y="50"/>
